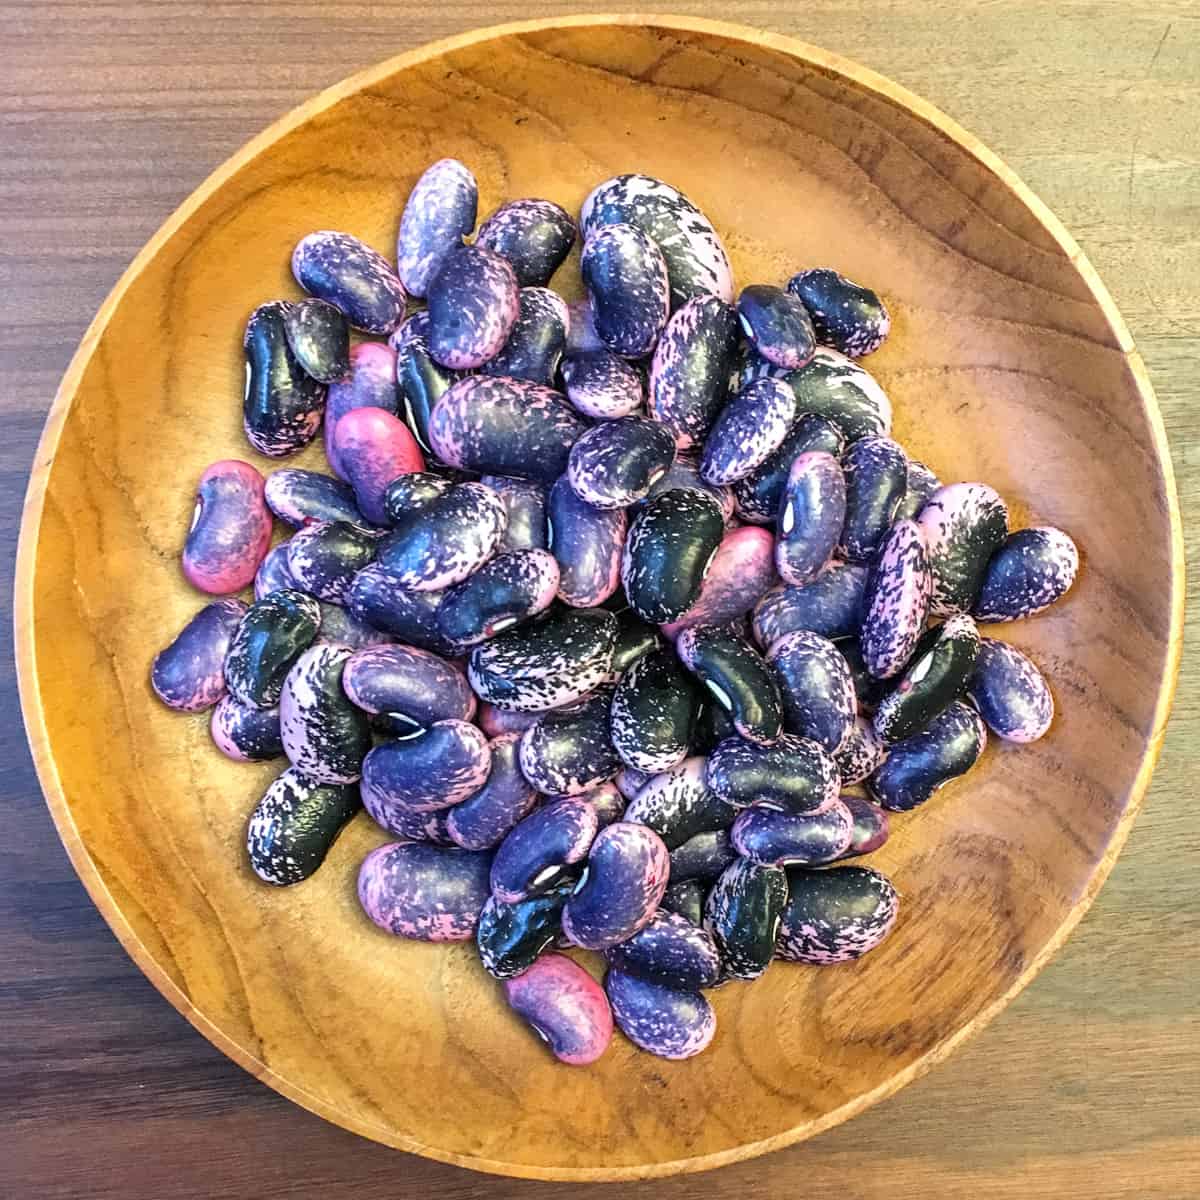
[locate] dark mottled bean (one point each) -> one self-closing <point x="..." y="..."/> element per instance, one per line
<point x="616" y="463"/>
<point x="743" y="912"/>
<point x="836" y="915"/>
<point x="669" y="950"/>
<point x="505" y="427"/>
<point x="819" y="701"/>
<point x="431" y="893"/>
<point x="535" y="345"/>
<point x="626" y="279"/>
<point x="619" y="891"/>
<point x="963" y="524"/>
<point x="420" y="381"/>
<point x="742" y="570"/>
<point x="845" y="315"/>
<point x="608" y="802"/>
<point x="653" y="710"/>
<point x="896" y="601"/>
<point x="339" y="268"/>
<point x="949" y="746"/>
<point x="1030" y="570"/>
<point x="273" y="574"/>
<point x="1010" y="693"/>
<point x="439" y="214"/>
<point x="534" y="235"/>
<point x="665" y="1021"/>
<point x="670" y="544"/>
<point x="920" y="484"/>
<point x="778" y="839"/>
<point x="738" y="677"/>
<point x="446" y="763"/>
<point x="836" y="388"/>
<point x="697" y="264"/>
<point x="245" y="733"/>
<point x="684" y="472"/>
<point x="473" y="304"/>
<point x="588" y="543"/>
<point x="601" y="384"/>
<point x="572" y="752"/>
<point x="274" y="633"/>
<point x="294" y="825"/>
<point x="876" y="471"/>
<point x="678" y="804"/>
<point x="794" y="776"/>
<point x="867" y="688"/>
<point x="812" y="512"/>
<point x="689" y="375"/>
<point x="404" y="822"/>
<point x="634" y="640"/>
<point x="509" y="589"/>
<point x="319" y="337"/>
<point x="483" y="820"/>
<point x="542" y="848"/>
<point x="413" y="685"/>
<point x="373" y="447"/>
<point x="758" y="496"/>
<point x="703" y="856"/>
<point x="547" y="665"/>
<point x="749" y="429"/>
<point x="565" y="1007"/>
<point x="189" y="675"/>
<point x="324" y="558"/>
<point x="526" y="505"/>
<point x="685" y="897"/>
<point x="282" y="405"/>
<point x="713" y="726"/>
<point x="408" y="494"/>
<point x="777" y="325"/>
<point x="871" y="825"/>
<point x="324" y="735"/>
<point x="230" y="531"/>
<point x="938" y="673"/>
<point x="629" y="782"/>
<point x="830" y="605"/>
<point x="446" y="540"/>
<point x="371" y="383"/>
<point x="861" y="753"/>
<point x="377" y="598"/>
<point x="302" y="497"/>
<point x="510" y="937"/>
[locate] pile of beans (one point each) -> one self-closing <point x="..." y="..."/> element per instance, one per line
<point x="604" y="608"/>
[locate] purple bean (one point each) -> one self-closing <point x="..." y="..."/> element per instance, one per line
<point x="439" y="214"/>
<point x="1030" y="570"/>
<point x="812" y="512"/>
<point x="282" y="405"/>
<point x="962" y="524"/>
<point x="626" y="279"/>
<point x="541" y="848"/>
<point x="1010" y="693"/>
<point x="819" y="701"/>
<point x="371" y="383"/>
<point x="588" y="543"/>
<point x="473" y="304"/>
<point x="777" y="324"/>
<point x="565" y="1007"/>
<point x="414" y="685"/>
<point x="189" y="675"/>
<point x="845" y="315"/>
<point x="444" y="764"/>
<point x="324" y="735"/>
<point x="245" y="733"/>
<point x="230" y="531"/>
<point x="339" y="268"/>
<point x="836" y="915"/>
<point x="534" y="235"/>
<point x="482" y="820"/>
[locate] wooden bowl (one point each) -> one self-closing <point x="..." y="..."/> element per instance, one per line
<point x="1008" y="363"/>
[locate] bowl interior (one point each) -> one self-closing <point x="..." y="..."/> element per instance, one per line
<point x="1006" y="364"/>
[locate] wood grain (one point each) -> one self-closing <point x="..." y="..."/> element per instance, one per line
<point x="869" y="1155"/>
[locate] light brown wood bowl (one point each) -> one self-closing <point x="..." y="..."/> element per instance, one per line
<point x="1008" y="363"/>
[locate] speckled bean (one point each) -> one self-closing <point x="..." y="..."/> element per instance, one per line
<point x="962" y="524"/>
<point x="339" y="268"/>
<point x="686" y="897"/>
<point x="511" y="937"/>
<point x="505" y="591"/>
<point x="738" y="677"/>
<point x="572" y="752"/>
<point x="777" y="839"/>
<point x="861" y="753"/>
<point x="324" y="558"/>
<point x="525" y="502"/>
<point x="678" y="804"/>
<point x="534" y="235"/>
<point x="608" y="802"/>
<point x="757" y="497"/>
<point x="777" y="325"/>
<point x="418" y="687"/>
<point x="473" y="304"/>
<point x="829" y="605"/>
<point x="748" y="430"/>
<point x="274" y="633"/>
<point x="282" y="404"/>
<point x="319" y="337"/>
<point x="273" y="574"/>
<point x="189" y="675"/>
<point x="565" y="1007"/>
<point x="377" y="598"/>
<point x="795" y="775"/>
<point x="542" y="848"/>
<point x="536" y="342"/>
<point x="812" y="512"/>
<point x="629" y="782"/>
<point x="302" y="497"/>
<point x="446" y="763"/>
<point x="626" y="279"/>
<point x="373" y="447"/>
<point x="601" y="384"/>
<point x="741" y="572"/>
<point x="439" y="214"/>
<point x="420" y="381"/>
<point x="949" y="746"/>
<point x="703" y="856"/>
<point x="836" y="915"/>
<point x="588" y="543"/>
<point x="743" y="912"/>
<point x="482" y="821"/>
<point x="845" y="315"/>
<point x="371" y="383"/>
<point x="550" y="664"/>
<point x="896" y="601"/>
<point x="1028" y="572"/>
<point x="619" y="891"/>
<point x="653" y="710"/>
<point x="819" y="701"/>
<point x="245" y="733"/>
<point x="324" y="735"/>
<point x="230" y="531"/>
<point x="1010" y="693"/>
<point x="665" y="1021"/>
<point x="876" y="471"/>
<point x="920" y="484"/>
<point x="431" y="893"/>
<point x="635" y="639"/>
<point x="505" y="427"/>
<point x="671" y="951"/>
<point x="684" y="472"/>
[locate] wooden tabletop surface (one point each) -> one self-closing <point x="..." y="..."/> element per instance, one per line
<point x="1087" y="1086"/>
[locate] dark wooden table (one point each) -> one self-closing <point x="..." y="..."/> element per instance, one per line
<point x="1088" y="1086"/>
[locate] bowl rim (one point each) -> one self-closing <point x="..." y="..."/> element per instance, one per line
<point x="833" y="65"/>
